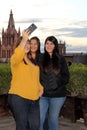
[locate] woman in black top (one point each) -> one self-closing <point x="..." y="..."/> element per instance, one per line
<point x="54" y="77"/>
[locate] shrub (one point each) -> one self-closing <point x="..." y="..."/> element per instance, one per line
<point x="5" y="77"/>
<point x="78" y="79"/>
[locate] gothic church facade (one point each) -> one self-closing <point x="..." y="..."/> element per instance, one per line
<point x="8" y="40"/>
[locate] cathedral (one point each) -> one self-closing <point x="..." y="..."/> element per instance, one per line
<point x="9" y="37"/>
<point x="8" y="40"/>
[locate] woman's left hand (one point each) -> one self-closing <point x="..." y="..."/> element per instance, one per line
<point x="41" y="93"/>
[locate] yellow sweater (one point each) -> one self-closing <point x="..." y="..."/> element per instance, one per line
<point x="25" y="77"/>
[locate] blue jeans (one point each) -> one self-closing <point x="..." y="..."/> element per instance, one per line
<point x="25" y="112"/>
<point x="54" y="105"/>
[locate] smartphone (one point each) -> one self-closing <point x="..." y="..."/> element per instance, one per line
<point x="32" y="28"/>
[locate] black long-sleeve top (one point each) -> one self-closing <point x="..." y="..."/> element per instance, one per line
<point x="55" y="85"/>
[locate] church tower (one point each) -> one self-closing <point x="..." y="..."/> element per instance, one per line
<point x="9" y="37"/>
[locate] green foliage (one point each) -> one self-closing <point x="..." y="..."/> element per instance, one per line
<point x="5" y="77"/>
<point x="76" y="86"/>
<point x="78" y="79"/>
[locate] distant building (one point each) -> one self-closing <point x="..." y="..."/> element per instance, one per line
<point x="76" y="58"/>
<point x="62" y="47"/>
<point x="8" y="40"/>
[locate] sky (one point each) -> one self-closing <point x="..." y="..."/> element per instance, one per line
<point x="64" y="19"/>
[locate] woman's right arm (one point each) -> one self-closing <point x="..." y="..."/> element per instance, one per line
<point x="19" y="52"/>
<point x="17" y="56"/>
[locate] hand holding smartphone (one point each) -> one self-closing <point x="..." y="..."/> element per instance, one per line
<point x="32" y="28"/>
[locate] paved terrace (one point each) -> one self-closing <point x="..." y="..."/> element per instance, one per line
<point x="7" y="123"/>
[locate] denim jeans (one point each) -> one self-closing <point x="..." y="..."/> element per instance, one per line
<point x="25" y="112"/>
<point x="54" y="105"/>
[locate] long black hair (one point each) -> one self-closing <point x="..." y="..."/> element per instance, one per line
<point x="55" y="56"/>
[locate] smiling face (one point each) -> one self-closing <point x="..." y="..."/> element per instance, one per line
<point x="33" y="46"/>
<point x="49" y="46"/>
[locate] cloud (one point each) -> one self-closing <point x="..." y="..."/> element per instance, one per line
<point x="35" y="20"/>
<point x="30" y="20"/>
<point x="73" y="32"/>
<point x="74" y="29"/>
<point x="74" y="49"/>
<point x="80" y="23"/>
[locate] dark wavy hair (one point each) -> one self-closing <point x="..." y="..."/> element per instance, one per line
<point x="55" y="56"/>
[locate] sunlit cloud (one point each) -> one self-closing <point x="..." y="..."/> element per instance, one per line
<point x="73" y="32"/>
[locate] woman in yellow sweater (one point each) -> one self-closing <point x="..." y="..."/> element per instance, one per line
<point x="25" y="90"/>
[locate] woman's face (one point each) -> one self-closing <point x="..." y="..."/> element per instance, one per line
<point x="33" y="46"/>
<point x="49" y="46"/>
<point x="27" y="47"/>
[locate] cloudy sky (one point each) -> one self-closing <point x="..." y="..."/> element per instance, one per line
<point x="65" y="19"/>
